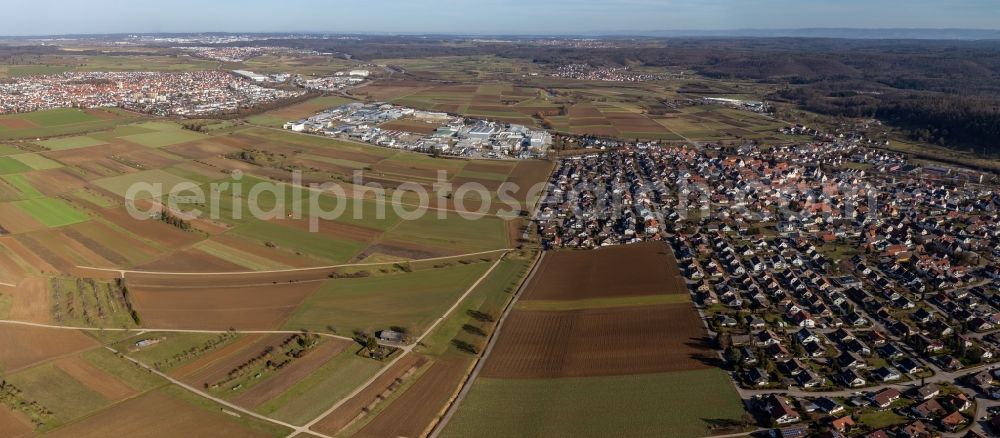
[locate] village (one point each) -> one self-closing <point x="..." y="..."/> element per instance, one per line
<point x="406" y="128"/>
<point x="243" y="53"/>
<point x="848" y="291"/>
<point x="587" y="72"/>
<point x="200" y="93"/>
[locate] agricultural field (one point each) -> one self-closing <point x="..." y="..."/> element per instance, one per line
<point x="61" y="122"/>
<point x="264" y="316"/>
<point x="568" y="355"/>
<point x="408" y="398"/>
<point x="54" y="64"/>
<point x="626" y="406"/>
<point x="60" y="191"/>
<point x="410" y="301"/>
<point x="625" y="111"/>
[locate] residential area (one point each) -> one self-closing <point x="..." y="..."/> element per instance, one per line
<point x="587" y="72"/>
<point x="198" y="93"/>
<point x="849" y="291"/>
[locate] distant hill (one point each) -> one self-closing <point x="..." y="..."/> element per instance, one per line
<point x="852" y="33"/>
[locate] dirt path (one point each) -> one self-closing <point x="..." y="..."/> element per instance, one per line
<point x="407" y="350"/>
<point x="123" y="272"/>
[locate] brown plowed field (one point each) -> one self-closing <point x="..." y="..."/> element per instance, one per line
<point x="156" y="415"/>
<point x="156" y="231"/>
<point x="595" y="130"/>
<point x="399" y="249"/>
<point x="292" y="374"/>
<point x="191" y="260"/>
<point x="649" y="267"/>
<point x="599" y="342"/>
<point x="106" y="253"/>
<point x="17" y="221"/>
<point x="337" y="230"/>
<point x="216" y="355"/>
<point x="17" y="124"/>
<point x="201" y="149"/>
<point x="526" y="174"/>
<point x="219" y="307"/>
<point x="15" y="424"/>
<point x="347" y="412"/>
<point x="24" y="346"/>
<point x="25" y="254"/>
<point x="57" y="258"/>
<point x="415" y="410"/>
<point x="30" y="300"/>
<point x="223" y="361"/>
<point x="54" y="181"/>
<point x="10" y="270"/>
<point x="260" y="250"/>
<point x="95" y="378"/>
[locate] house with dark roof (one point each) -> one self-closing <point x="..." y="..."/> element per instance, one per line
<point x="927" y="392"/>
<point x="780" y="411"/>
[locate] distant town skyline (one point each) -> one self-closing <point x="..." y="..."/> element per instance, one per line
<point x="494" y="17"/>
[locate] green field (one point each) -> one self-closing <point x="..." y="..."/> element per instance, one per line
<point x="488" y="298"/>
<point x="9" y="165"/>
<point x="333" y="381"/>
<point x="22" y="185"/>
<point x="167" y="135"/>
<point x="683" y="403"/>
<point x="171" y="345"/>
<point x="300" y="241"/>
<point x="71" y="143"/>
<point x="120" y="184"/>
<point x="455" y="232"/>
<point x="55" y="117"/>
<point x="51" y="212"/>
<point x="250" y="261"/>
<point x="8" y="150"/>
<point x="61" y="121"/>
<point x="411" y="300"/>
<point x="36" y="161"/>
<point x="67" y="398"/>
<point x="133" y="375"/>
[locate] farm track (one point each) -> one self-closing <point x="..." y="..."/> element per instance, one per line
<point x="467" y="384"/>
<point x="296" y="430"/>
<point x="407" y="350"/>
<point x="123" y="272"/>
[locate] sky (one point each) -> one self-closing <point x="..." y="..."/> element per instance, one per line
<point x="483" y="17"/>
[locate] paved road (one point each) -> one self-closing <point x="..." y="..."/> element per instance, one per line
<point x="942" y="377"/>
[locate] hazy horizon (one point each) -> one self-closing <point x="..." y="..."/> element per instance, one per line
<point x="493" y="17"/>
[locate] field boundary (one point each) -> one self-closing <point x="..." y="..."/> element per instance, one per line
<point x="122" y="272"/>
<point x="466" y="385"/>
<point x="406" y="350"/>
